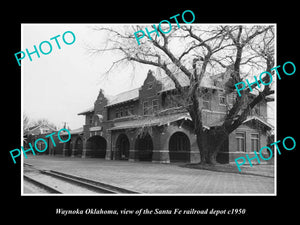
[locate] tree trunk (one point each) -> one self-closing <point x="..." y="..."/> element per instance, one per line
<point x="210" y="141"/>
<point x="204" y="159"/>
<point x="210" y="144"/>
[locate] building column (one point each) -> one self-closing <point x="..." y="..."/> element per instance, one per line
<point x="133" y="155"/>
<point x="108" y="155"/>
<point x="84" y="150"/>
<point x="161" y="156"/>
<point x="74" y="149"/>
<point x="65" y="150"/>
<point x="160" y="153"/>
<point x="50" y="147"/>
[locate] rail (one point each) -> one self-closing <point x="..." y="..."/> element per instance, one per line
<point x="94" y="186"/>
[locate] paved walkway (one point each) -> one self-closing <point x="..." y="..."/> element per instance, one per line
<point x="155" y="178"/>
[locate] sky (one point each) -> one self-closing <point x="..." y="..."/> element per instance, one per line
<point x="67" y="81"/>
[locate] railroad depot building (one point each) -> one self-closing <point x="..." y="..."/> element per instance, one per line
<point x="147" y="124"/>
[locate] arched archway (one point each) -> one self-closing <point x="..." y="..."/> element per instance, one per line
<point x="122" y="145"/>
<point x="179" y="147"/>
<point x="144" y="146"/>
<point x="97" y="146"/>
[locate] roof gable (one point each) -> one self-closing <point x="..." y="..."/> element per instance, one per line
<point x="265" y="123"/>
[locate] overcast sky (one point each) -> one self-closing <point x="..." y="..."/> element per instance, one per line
<point x="67" y="81"/>
<point x="60" y="85"/>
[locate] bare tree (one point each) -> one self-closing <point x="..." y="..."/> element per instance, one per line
<point x="44" y="121"/>
<point x="195" y="50"/>
<point x="26" y="122"/>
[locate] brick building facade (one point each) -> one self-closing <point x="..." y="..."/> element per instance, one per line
<point x="148" y="124"/>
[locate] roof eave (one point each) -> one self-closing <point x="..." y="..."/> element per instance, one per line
<point x="119" y="103"/>
<point x="259" y="119"/>
<point x="85" y="112"/>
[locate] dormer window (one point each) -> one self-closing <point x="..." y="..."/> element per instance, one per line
<point x="155" y="105"/>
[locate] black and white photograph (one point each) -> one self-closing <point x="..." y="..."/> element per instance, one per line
<point x="134" y="109"/>
<point x="184" y="112"/>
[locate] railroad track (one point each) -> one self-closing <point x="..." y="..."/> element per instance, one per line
<point x="50" y="181"/>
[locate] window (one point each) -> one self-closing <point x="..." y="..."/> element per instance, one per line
<point x="150" y="85"/>
<point x="255" y="142"/>
<point x="126" y="111"/>
<point x="231" y="100"/>
<point x="121" y="112"/>
<point x="90" y="120"/>
<point x="206" y="104"/>
<point x="131" y="110"/>
<point x="155" y="105"/>
<point x="240" y="139"/>
<point x="204" y="117"/>
<point x="117" y="113"/>
<point x="174" y="98"/>
<point x="222" y="99"/>
<point x="146" y="108"/>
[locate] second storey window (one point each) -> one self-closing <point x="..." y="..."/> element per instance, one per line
<point x="222" y="98"/>
<point x="206" y="104"/>
<point x="155" y="105"/>
<point x="117" y="113"/>
<point x="126" y="111"/>
<point x="146" y="108"/>
<point x="131" y="110"/>
<point x="231" y="99"/>
<point x="121" y="112"/>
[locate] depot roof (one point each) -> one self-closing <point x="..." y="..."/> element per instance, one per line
<point x="249" y="118"/>
<point x="75" y="131"/>
<point x="126" y="96"/>
<point x="166" y="83"/>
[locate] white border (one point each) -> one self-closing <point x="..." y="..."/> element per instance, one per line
<point x="22" y="111"/>
<point x="177" y="194"/>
